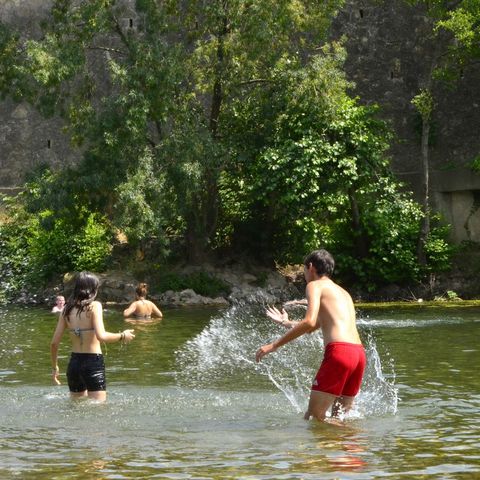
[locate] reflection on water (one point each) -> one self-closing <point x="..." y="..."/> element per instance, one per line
<point x="180" y="431"/>
<point x="186" y="400"/>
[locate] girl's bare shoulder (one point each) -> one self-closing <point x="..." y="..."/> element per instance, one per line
<point x="96" y="306"/>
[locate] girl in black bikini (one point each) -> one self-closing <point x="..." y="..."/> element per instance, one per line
<point x="82" y="318"/>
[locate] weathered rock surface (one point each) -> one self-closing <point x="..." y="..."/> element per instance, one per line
<point x="119" y="287"/>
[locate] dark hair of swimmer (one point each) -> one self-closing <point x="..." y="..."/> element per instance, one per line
<point x="322" y="261"/>
<point x="141" y="290"/>
<point x="84" y="292"/>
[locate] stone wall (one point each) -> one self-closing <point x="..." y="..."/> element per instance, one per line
<point x="390" y="54"/>
<point x="27" y="139"/>
<point x="389" y="57"/>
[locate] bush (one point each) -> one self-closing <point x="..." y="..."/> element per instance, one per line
<point x="14" y="260"/>
<point x="35" y="247"/>
<point x="57" y="246"/>
<point x="92" y="245"/>
<point x="201" y="282"/>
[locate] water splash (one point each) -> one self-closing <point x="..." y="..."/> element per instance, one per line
<point x="378" y="395"/>
<point x="223" y="356"/>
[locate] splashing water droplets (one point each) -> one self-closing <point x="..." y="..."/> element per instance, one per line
<point x="223" y="356"/>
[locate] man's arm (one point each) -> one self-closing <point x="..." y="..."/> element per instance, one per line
<point x="280" y="317"/>
<point x="303" y="302"/>
<point x="307" y="325"/>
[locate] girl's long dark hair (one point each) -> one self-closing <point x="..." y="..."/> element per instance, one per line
<point x="84" y="293"/>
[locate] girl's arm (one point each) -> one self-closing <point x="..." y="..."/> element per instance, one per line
<point x="156" y="311"/>
<point x="100" y="332"/>
<point x="130" y="310"/>
<point x="57" y="336"/>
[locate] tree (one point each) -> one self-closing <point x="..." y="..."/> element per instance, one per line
<point x="203" y="120"/>
<point x="424" y="104"/>
<point x="315" y="172"/>
<point x="236" y="47"/>
<point x="157" y="89"/>
<point x="453" y="30"/>
<point x="462" y="20"/>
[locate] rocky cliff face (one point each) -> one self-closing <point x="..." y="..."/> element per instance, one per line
<point x="390" y="54"/>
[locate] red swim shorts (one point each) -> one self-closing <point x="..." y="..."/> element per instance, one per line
<point x="342" y="368"/>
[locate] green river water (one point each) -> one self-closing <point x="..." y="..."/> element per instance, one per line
<point x="187" y="401"/>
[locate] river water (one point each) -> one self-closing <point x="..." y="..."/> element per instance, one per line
<point x="187" y="401"/>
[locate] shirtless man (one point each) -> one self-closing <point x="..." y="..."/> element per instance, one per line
<point x="330" y="308"/>
<point x="142" y="308"/>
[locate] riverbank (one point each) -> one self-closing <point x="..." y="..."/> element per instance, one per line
<point x="209" y="285"/>
<point x="187" y="286"/>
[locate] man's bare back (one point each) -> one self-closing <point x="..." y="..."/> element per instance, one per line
<point x="336" y="314"/>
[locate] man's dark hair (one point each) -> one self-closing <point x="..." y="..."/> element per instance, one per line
<point x="322" y="261"/>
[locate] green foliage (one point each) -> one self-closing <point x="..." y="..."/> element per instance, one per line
<point x="38" y="243"/>
<point x="391" y="225"/>
<point x="92" y="246"/>
<point x="61" y="247"/>
<point x="14" y="258"/>
<point x="425" y="104"/>
<point x="140" y="211"/>
<point x="461" y="21"/>
<point x="211" y="125"/>
<point x="322" y="179"/>
<point x="437" y="248"/>
<point x="475" y="164"/>
<point x="201" y="282"/>
<point x="449" y="296"/>
<point x="143" y="113"/>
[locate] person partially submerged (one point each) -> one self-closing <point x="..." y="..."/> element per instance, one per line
<point x="82" y="317"/>
<point x="59" y="304"/>
<point x="142" y="308"/>
<point x="331" y="309"/>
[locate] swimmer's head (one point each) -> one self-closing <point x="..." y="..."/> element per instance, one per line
<point x="60" y="300"/>
<point x="141" y="290"/>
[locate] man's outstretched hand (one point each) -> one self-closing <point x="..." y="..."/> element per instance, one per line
<point x="262" y="351"/>
<point x="280" y="317"/>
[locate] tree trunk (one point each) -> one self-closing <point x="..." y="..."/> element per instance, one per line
<point x="425" y="227"/>
<point x="361" y="246"/>
<point x="196" y="241"/>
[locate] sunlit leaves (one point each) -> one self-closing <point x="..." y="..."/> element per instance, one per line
<point x="461" y="21"/>
<point x="424" y="103"/>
